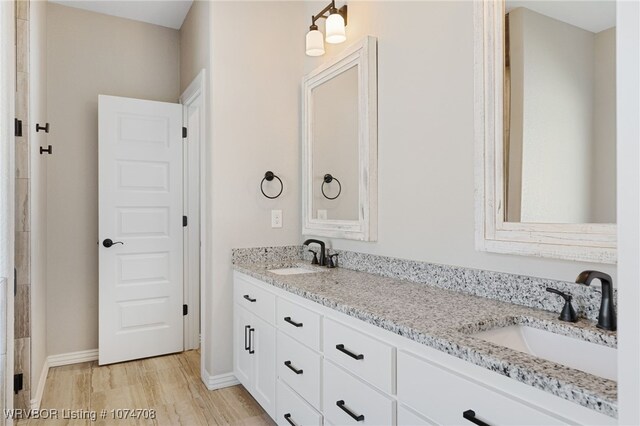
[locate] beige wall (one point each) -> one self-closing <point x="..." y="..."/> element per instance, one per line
<point x="256" y="66"/>
<point x="194" y="43"/>
<point x="425" y="133"/>
<point x="38" y="193"/>
<point x="89" y="54"/>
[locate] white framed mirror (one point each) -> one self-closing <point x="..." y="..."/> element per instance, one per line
<point x="545" y="132"/>
<point x="339" y="145"/>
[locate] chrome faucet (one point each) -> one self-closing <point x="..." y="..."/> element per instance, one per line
<point x="322" y="260"/>
<point x="607" y="317"/>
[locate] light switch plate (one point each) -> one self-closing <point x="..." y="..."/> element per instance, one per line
<point x="322" y="214"/>
<point x="276" y="218"/>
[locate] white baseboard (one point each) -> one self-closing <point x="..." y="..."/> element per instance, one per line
<point x="57" y="361"/>
<point x="72" y="358"/>
<point x="219" y="381"/>
<point x="37" y="399"/>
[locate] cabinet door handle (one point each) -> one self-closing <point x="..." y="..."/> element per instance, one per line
<point x="246" y="345"/>
<point x="287" y="417"/>
<point x="348" y="352"/>
<point x="251" y="350"/>
<point x="292" y="368"/>
<point x="357" y="418"/>
<point x="471" y="416"/>
<point x="293" y="323"/>
<point x="246" y="296"/>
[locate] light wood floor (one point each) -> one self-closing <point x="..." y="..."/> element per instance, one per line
<point x="170" y="385"/>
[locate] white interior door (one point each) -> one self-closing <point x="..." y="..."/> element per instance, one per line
<point x="140" y="211"/>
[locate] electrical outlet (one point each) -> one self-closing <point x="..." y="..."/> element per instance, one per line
<point x="276" y="218"/>
<point x="322" y="214"/>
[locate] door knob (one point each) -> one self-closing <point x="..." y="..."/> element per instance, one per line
<point x="109" y="242"/>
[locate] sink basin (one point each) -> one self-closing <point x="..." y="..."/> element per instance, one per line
<point x="291" y="271"/>
<point x="589" y="357"/>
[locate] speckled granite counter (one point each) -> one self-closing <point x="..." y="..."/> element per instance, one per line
<point x="423" y="313"/>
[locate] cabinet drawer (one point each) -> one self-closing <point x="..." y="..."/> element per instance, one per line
<point x="307" y="364"/>
<point x="345" y="398"/>
<point x="293" y="410"/>
<point x="408" y="417"/>
<point x="299" y="323"/>
<point x="444" y="396"/>
<point x="360" y="354"/>
<point x="255" y="299"/>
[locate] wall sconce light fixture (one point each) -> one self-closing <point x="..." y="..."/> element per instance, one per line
<point x="336" y="21"/>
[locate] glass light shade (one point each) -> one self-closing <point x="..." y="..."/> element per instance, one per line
<point x="335" y="29"/>
<point x="315" y="43"/>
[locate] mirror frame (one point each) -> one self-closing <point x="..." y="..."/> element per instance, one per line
<point x="589" y="242"/>
<point x="362" y="54"/>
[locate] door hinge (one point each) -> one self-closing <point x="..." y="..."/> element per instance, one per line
<point x="185" y="309"/>
<point x="17" y="383"/>
<point x="184" y="132"/>
<point x="18" y="128"/>
<point x="185" y="221"/>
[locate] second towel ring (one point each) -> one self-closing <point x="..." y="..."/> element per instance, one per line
<point x="328" y="179"/>
<point x="269" y="176"/>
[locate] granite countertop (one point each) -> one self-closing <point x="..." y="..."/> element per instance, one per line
<point x="444" y="319"/>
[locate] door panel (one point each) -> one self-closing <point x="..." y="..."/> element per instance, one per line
<point x="140" y="184"/>
<point x="264" y="375"/>
<point x="243" y="360"/>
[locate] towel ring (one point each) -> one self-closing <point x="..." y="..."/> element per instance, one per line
<point x="269" y="176"/>
<point x="328" y="179"/>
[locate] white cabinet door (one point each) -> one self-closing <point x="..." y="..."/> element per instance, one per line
<point x="242" y="359"/>
<point x="263" y="346"/>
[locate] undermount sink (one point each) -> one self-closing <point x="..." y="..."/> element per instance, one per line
<point x="291" y="271"/>
<point x="589" y="357"/>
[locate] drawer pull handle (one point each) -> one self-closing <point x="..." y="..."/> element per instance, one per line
<point x="251" y="350"/>
<point x="246" y="345"/>
<point x="292" y="368"/>
<point x="348" y="352"/>
<point x="359" y="418"/>
<point x="293" y="323"/>
<point x="287" y="417"/>
<point x="246" y="296"/>
<point x="471" y="416"/>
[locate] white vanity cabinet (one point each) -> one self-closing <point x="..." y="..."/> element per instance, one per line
<point x="307" y="364"/>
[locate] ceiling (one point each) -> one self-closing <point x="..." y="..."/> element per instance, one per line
<point x="167" y="13"/>
<point x="590" y="15"/>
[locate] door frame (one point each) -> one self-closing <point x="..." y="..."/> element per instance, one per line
<point x="193" y="188"/>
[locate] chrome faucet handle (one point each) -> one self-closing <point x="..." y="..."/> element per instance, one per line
<point x="568" y="313"/>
